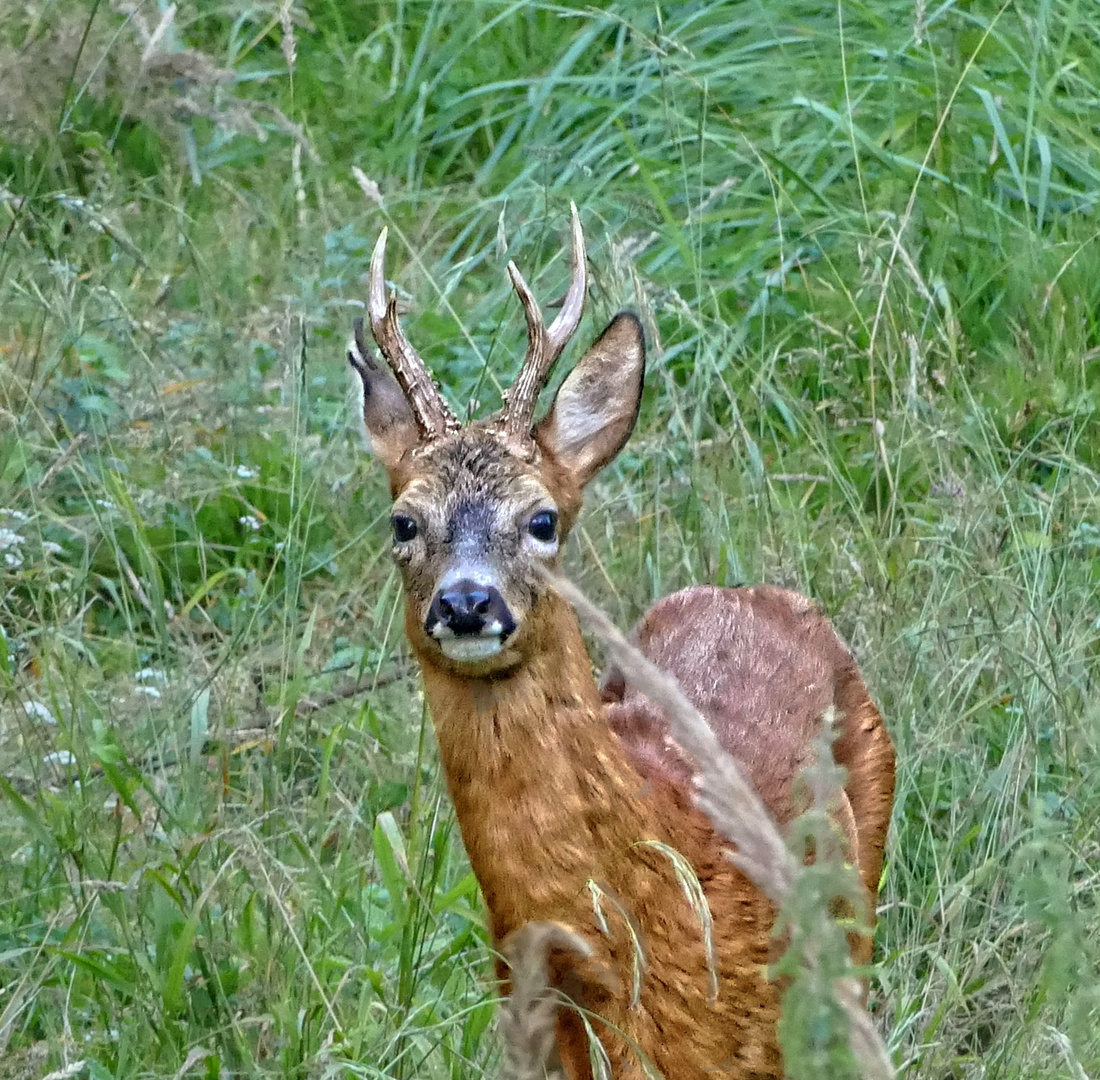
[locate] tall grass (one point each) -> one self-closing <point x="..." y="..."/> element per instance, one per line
<point x="863" y="242"/>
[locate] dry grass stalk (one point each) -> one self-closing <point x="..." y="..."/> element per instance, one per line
<point x="151" y="77"/>
<point x="528" y="1017"/>
<point x="728" y="798"/>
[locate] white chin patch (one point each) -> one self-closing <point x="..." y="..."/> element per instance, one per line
<point x="470" y="648"/>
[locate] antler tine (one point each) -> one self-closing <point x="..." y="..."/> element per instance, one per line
<point x="544" y="346"/>
<point x="433" y="416"/>
<point x="572" y="308"/>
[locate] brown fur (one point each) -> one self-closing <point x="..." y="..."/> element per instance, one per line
<point x="548" y="797"/>
<point x="528" y="1016"/>
<point x="557" y="789"/>
<point x="553" y="788"/>
<point x="763" y="675"/>
<point x="767" y="667"/>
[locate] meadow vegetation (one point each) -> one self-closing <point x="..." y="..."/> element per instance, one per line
<point x="863" y="240"/>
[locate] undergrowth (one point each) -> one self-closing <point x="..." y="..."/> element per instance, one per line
<point x="862" y="239"/>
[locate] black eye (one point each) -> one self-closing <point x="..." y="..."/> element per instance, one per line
<point x="543" y="525"/>
<point x="404" y="528"/>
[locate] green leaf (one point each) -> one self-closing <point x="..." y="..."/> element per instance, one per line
<point x="393" y="862"/>
<point x="1002" y="139"/>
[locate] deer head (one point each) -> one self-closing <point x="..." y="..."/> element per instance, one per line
<point x="479" y="509"/>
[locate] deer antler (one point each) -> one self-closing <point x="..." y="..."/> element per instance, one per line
<point x="543" y="346"/>
<point x="433" y="416"/>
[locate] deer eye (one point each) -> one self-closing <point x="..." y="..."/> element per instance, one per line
<point x="543" y="526"/>
<point x="404" y="528"/>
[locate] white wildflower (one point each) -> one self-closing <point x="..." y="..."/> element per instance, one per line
<point x="246" y="472"/>
<point x="15" y="515"/>
<point x="151" y="674"/>
<point x="148" y="691"/>
<point x="59" y="757"/>
<point x="250" y="521"/>
<point x="13" y="560"/>
<point x="39" y="711"/>
<point x="105" y="504"/>
<point x="9" y="538"/>
<point x="52" y="548"/>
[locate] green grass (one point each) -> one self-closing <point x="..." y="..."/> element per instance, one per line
<point x="864" y="243"/>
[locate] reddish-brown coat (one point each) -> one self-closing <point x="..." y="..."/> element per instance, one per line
<point x="555" y="788"/>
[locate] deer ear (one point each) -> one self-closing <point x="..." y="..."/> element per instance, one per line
<point x="595" y="408"/>
<point x="387" y="415"/>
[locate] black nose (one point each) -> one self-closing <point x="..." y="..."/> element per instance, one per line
<point x="467" y="608"/>
<point x="464" y="609"/>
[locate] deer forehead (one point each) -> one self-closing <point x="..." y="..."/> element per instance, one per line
<point x="472" y="481"/>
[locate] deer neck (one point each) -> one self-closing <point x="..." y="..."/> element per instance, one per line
<point x="491" y="726"/>
<point x="542" y="788"/>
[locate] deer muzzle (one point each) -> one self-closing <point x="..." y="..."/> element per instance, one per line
<point x="470" y="620"/>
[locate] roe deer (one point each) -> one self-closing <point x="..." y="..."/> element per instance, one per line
<point x="568" y="797"/>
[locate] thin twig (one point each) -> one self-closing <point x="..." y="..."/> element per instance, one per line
<point x="308" y="706"/>
<point x="135" y="584"/>
<point x="75" y="444"/>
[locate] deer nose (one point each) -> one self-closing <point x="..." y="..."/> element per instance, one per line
<point x="465" y="608"/>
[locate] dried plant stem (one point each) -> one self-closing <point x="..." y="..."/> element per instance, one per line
<point x="528" y="1017"/>
<point x="65" y="457"/>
